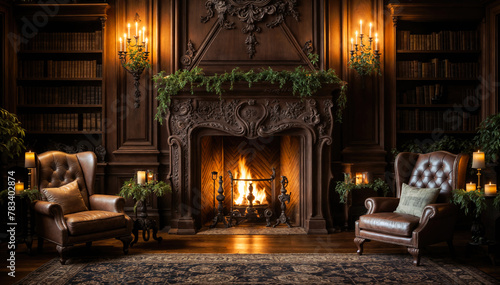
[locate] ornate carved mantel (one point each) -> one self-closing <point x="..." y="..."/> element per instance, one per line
<point x="256" y="112"/>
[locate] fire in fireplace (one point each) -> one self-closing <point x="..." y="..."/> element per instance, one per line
<point x="241" y="190"/>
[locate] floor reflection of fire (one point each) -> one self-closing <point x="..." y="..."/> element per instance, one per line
<point x="242" y="187"/>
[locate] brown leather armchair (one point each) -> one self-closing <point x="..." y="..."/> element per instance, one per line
<point x="437" y="169"/>
<point x="102" y="216"/>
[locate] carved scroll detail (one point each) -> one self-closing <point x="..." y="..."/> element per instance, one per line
<point x="188" y="56"/>
<point x="250" y="12"/>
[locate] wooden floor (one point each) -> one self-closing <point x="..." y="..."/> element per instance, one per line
<point x="333" y="243"/>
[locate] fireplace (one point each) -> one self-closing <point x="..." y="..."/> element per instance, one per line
<point x="250" y="132"/>
<point x="261" y="159"/>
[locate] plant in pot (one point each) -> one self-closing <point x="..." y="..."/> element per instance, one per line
<point x="11" y="136"/>
<point x="140" y="193"/>
<point x="472" y="202"/>
<point x="140" y="188"/>
<point x="488" y="139"/>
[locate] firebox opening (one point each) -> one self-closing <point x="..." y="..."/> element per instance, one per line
<point x="250" y="159"/>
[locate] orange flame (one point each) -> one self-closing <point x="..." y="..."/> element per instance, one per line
<point x="240" y="196"/>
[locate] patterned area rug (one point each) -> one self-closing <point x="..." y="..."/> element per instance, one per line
<point x="253" y="231"/>
<point x="256" y="269"/>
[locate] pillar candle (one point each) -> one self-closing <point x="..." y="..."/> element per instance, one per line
<point x="356" y="37"/>
<point x="121" y="44"/>
<point x="128" y="30"/>
<point x="478" y="159"/>
<point x="490" y="189"/>
<point x="29" y="160"/>
<point x="470" y="187"/>
<point x="370" y="33"/>
<point x="352" y="44"/>
<point x="360" y="27"/>
<point x="141" y="177"/>
<point x="146" y="44"/>
<point x="19" y="187"/>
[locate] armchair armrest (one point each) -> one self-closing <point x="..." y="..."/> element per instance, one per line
<point x="48" y="209"/>
<point x="381" y="204"/>
<point x="52" y="211"/>
<point x="436" y="224"/>
<point x="109" y="203"/>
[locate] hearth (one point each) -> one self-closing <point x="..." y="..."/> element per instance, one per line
<point x="249" y="132"/>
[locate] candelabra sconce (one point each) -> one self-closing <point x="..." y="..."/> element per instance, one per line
<point x="365" y="57"/>
<point x="133" y="53"/>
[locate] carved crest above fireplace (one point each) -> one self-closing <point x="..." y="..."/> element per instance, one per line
<point x="257" y="113"/>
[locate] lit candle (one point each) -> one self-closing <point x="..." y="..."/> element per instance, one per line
<point x="143" y="33"/>
<point x="370" y="34"/>
<point x="128" y="34"/>
<point x="150" y="177"/>
<point x="19" y="187"/>
<point x="356" y="37"/>
<point x="121" y="44"/>
<point x="29" y="159"/>
<point x="135" y="29"/>
<point x="360" y="27"/>
<point x="359" y="178"/>
<point x="352" y="44"/>
<point x="146" y="44"/>
<point x="490" y="189"/>
<point x="376" y="41"/>
<point x="478" y="160"/>
<point x="141" y="177"/>
<point x="470" y="187"/>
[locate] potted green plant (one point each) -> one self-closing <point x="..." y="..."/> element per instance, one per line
<point x="139" y="193"/>
<point x="488" y="138"/>
<point x="11" y="136"/>
<point x="343" y="188"/>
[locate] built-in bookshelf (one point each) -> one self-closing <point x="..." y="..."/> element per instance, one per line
<point x="437" y="71"/>
<point x="60" y="86"/>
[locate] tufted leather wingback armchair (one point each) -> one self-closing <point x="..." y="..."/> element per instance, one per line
<point x="437" y="169"/>
<point x="105" y="217"/>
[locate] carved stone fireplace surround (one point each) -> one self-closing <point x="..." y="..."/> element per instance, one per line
<point x="260" y="111"/>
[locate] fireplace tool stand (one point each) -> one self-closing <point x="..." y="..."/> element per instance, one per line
<point x="219" y="217"/>
<point x="283" y="197"/>
<point x="250" y="213"/>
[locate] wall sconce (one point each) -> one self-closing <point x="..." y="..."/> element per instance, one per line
<point x="134" y="55"/>
<point x="30" y="163"/>
<point x="478" y="162"/>
<point x="365" y="59"/>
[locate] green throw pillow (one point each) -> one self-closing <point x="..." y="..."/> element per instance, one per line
<point x="413" y="200"/>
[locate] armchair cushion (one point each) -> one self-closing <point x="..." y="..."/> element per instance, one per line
<point x="87" y="222"/>
<point x="68" y="196"/>
<point x="413" y="199"/>
<point x="389" y="223"/>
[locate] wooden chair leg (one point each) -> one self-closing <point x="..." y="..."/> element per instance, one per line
<point x="451" y="248"/>
<point x="415" y="252"/>
<point x="359" y="242"/>
<point x="126" y="242"/>
<point x="63" y="253"/>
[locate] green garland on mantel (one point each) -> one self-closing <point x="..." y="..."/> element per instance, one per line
<point x="304" y="83"/>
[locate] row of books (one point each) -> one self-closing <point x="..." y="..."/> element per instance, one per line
<point x="443" y="40"/>
<point x="428" y="94"/>
<point x="62" y="122"/>
<point x="28" y="95"/>
<point x="60" y="69"/>
<point x="65" y="41"/>
<point x="424" y="94"/>
<point x="424" y="120"/>
<point x="437" y="68"/>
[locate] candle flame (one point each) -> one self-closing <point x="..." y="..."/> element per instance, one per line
<point x="241" y="194"/>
